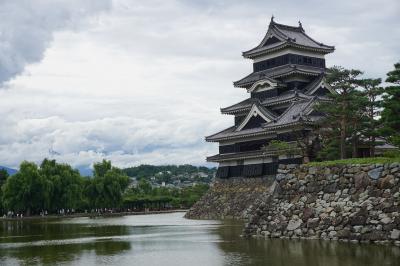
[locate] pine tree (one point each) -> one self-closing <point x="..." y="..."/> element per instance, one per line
<point x="371" y="125"/>
<point x="390" y="116"/>
<point x="344" y="112"/>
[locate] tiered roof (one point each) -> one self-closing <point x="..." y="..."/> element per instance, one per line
<point x="299" y="112"/>
<point x="286" y="97"/>
<point x="281" y="36"/>
<point x="278" y="72"/>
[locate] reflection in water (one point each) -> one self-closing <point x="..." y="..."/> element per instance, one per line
<point x="304" y="252"/>
<point x="169" y="239"/>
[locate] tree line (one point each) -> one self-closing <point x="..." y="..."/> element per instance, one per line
<point x="144" y="196"/>
<point x="145" y="170"/>
<point x="51" y="187"/>
<point x="361" y="112"/>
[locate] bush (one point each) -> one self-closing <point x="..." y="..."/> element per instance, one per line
<point x="392" y="154"/>
<point x="371" y="160"/>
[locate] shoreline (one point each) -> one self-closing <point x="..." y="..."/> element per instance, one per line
<point x="88" y="215"/>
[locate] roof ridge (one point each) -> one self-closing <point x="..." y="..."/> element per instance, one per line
<point x="319" y="43"/>
<point x="286" y="96"/>
<point x="286" y="111"/>
<point x="288" y="38"/>
<point x="277" y="72"/>
<point x="289" y="108"/>
<point x="288" y="27"/>
<point x="250" y="100"/>
<point x="298" y="29"/>
<point x="226" y="129"/>
<point x="314" y="99"/>
<point x="311" y="85"/>
<point x="264" y="109"/>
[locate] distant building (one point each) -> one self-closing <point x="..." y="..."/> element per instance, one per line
<point x="286" y="83"/>
<point x="133" y="183"/>
<point x="202" y="174"/>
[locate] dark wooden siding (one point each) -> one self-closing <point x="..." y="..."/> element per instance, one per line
<point x="254" y="170"/>
<point x="252" y="145"/>
<point x="265" y="94"/>
<point x="289" y="59"/>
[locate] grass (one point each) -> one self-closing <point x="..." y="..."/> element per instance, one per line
<point x="373" y="160"/>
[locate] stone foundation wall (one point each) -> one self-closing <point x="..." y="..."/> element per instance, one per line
<point x="359" y="203"/>
<point x="231" y="198"/>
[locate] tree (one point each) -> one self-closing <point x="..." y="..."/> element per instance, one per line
<point x="100" y="169"/>
<point x="144" y="186"/>
<point x="27" y="191"/>
<point x="390" y="116"/>
<point x="344" y="111"/>
<point x="3" y="178"/>
<point x="105" y="190"/>
<point x="66" y="182"/>
<point x="372" y="92"/>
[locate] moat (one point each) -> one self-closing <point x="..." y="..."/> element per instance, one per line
<point x="169" y="239"/>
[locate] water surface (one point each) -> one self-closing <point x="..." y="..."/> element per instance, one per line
<point x="169" y="239"/>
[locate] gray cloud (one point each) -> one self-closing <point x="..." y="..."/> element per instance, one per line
<point x="27" y="28"/>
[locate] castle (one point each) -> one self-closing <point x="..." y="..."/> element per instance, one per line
<point x="286" y="83"/>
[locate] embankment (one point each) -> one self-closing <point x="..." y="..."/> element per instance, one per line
<point x="359" y="203"/>
<point x="231" y="198"/>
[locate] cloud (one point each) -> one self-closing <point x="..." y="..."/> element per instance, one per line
<point x="27" y="28"/>
<point x="125" y="140"/>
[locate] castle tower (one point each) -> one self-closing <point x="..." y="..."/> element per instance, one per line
<point x="286" y="82"/>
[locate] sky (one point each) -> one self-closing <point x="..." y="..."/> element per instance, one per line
<point x="142" y="82"/>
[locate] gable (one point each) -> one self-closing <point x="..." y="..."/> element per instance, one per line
<point x="262" y="85"/>
<point x="254" y="121"/>
<point x="271" y="40"/>
<point x="255" y="118"/>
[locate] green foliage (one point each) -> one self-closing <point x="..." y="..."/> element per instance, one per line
<point x="392" y="154"/>
<point x="146" y="197"/>
<point x="144" y="187"/>
<point x="394" y="75"/>
<point x="344" y="113"/>
<point x="106" y="188"/>
<point x="330" y="150"/>
<point x="3" y="178"/>
<point x="370" y="160"/>
<point x="100" y="169"/>
<point x="281" y="148"/>
<point x="66" y="192"/>
<point x="151" y="170"/>
<point x="370" y="127"/>
<point x="28" y="190"/>
<point x="56" y="186"/>
<point x="390" y="116"/>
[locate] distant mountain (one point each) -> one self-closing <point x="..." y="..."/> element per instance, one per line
<point x="10" y="171"/>
<point x="85" y="171"/>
